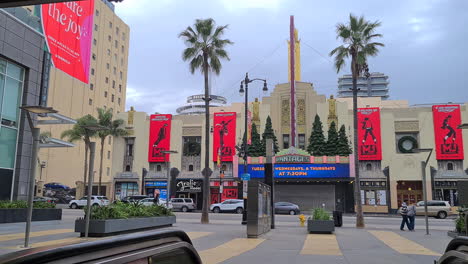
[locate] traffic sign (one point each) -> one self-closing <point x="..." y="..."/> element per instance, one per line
<point x="245" y="176"/>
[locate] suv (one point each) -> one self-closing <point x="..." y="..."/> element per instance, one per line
<point x="183" y="204"/>
<point x="95" y="201"/>
<point x="232" y="205"/>
<point x="438" y="209"/>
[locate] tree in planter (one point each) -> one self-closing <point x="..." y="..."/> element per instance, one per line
<point x="78" y="132"/>
<point x="269" y="133"/>
<point x="343" y="143"/>
<point x="331" y="147"/>
<point x="317" y="142"/>
<point x="358" y="38"/>
<point x="205" y="48"/>
<point x="255" y="149"/>
<point x="112" y="128"/>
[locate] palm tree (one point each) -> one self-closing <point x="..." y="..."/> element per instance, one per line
<point x="204" y="50"/>
<point x="358" y="43"/>
<point x="79" y="132"/>
<point x="112" y="128"/>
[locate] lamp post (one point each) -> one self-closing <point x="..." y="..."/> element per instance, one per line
<point x="44" y="111"/>
<point x="423" y="166"/>
<point x="169" y="152"/>
<point x="246" y="81"/>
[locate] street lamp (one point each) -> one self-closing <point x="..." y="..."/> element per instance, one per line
<point x="246" y="81"/>
<point x="169" y="152"/>
<point x="42" y="110"/>
<point x="423" y="166"/>
<point x="92" y="149"/>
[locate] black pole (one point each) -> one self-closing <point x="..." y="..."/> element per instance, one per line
<point x="143" y="175"/>
<point x="246" y="108"/>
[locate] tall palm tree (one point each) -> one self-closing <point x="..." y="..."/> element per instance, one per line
<point x="112" y="128"/>
<point x="204" y="50"/>
<point x="78" y="132"/>
<point x="358" y="43"/>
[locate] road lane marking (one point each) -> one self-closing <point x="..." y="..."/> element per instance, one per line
<point x="195" y="235"/>
<point x="401" y="244"/>
<point x="321" y="244"/>
<point x="229" y="250"/>
<point x="35" y="234"/>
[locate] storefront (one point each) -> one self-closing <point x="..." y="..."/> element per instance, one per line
<point x="410" y="191"/>
<point x="224" y="190"/>
<point x="374" y="196"/>
<point x="446" y="191"/>
<point x="123" y="189"/>
<point x="156" y="187"/>
<point x="190" y="188"/>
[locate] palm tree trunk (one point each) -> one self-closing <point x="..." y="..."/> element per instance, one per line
<point x="206" y="182"/>
<point x="100" y="165"/>
<point x="85" y="167"/>
<point x="357" y="182"/>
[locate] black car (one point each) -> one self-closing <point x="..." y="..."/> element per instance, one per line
<point x="286" y="208"/>
<point x="133" y="198"/>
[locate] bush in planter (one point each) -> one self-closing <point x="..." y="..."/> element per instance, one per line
<point x="121" y="210"/>
<point x="23" y="204"/>
<point x="320" y="214"/>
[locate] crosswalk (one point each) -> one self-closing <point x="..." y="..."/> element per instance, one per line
<point x="228" y="249"/>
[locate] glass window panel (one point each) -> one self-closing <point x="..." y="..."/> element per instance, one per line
<point x="3" y="66"/>
<point x="11" y="100"/>
<point x="15" y="71"/>
<point x="2" y="85"/>
<point x="7" y="147"/>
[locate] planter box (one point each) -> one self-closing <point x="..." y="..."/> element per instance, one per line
<point x="454" y="234"/>
<point x="99" y="228"/>
<point x="320" y="226"/>
<point x="19" y="215"/>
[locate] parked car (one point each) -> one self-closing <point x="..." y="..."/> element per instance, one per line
<point x="231" y="205"/>
<point x="286" y="208"/>
<point x="95" y="201"/>
<point x="182" y="204"/>
<point x="56" y="185"/>
<point x="133" y="198"/>
<point x="45" y="199"/>
<point x="150" y="201"/>
<point x="438" y="209"/>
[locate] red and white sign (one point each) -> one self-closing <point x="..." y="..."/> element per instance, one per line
<point x="159" y="137"/>
<point x="68" y="30"/>
<point x="224" y="136"/>
<point x="370" y="144"/>
<point x="448" y="138"/>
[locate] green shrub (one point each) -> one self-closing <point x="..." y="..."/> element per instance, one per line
<point x="24" y="204"/>
<point x="460" y="224"/>
<point x="121" y="210"/>
<point x="43" y="205"/>
<point x="320" y="214"/>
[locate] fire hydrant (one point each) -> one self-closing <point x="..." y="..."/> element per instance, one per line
<point x="302" y="219"/>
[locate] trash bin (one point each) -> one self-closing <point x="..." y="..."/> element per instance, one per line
<point x="338" y="218"/>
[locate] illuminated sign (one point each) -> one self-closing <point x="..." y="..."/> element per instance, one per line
<point x="156" y="184"/>
<point x="299" y="170"/>
<point x="292" y="159"/>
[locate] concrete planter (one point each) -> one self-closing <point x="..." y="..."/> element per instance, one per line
<point x="454" y="234"/>
<point x="320" y="226"/>
<point x="19" y="215"/>
<point x="108" y="227"/>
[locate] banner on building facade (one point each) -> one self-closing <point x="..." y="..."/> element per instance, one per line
<point x="448" y="138"/>
<point x="68" y="31"/>
<point x="369" y="138"/>
<point x="224" y="136"/>
<point x="299" y="170"/>
<point x="159" y="138"/>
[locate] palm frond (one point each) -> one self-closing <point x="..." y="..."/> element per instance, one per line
<point x="215" y="65"/>
<point x="190" y="53"/>
<point x="196" y="63"/>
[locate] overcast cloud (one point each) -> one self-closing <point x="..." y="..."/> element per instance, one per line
<point x="425" y="55"/>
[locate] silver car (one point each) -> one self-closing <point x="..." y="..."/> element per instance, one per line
<point x="182" y="204"/>
<point x="438" y="209"/>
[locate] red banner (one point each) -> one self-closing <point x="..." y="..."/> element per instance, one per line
<point x="448" y="138"/>
<point x="68" y="30"/>
<point x="159" y="137"/>
<point x="370" y="144"/>
<point x="224" y="136"/>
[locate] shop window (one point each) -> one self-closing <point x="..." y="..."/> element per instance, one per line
<point x="450" y="166"/>
<point x="158" y="168"/>
<point x="190" y="167"/>
<point x="285" y="141"/>
<point x="368" y="167"/>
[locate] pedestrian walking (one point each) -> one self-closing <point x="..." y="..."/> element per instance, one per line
<point x="156" y="199"/>
<point x="411" y="213"/>
<point x="404" y="216"/>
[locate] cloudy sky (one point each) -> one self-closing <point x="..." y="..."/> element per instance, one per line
<point x="425" y="55"/>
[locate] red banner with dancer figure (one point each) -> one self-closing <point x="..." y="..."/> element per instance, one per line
<point x="448" y="138"/>
<point x="159" y="137"/>
<point x="370" y="144"/>
<point x="224" y="136"/>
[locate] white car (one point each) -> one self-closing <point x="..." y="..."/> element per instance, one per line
<point x="95" y="201"/>
<point x="150" y="201"/>
<point x="232" y="205"/>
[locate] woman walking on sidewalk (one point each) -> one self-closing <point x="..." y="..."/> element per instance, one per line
<point x="411" y="213"/>
<point x="404" y="216"/>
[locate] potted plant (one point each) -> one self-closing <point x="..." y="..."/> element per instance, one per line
<point x="460" y="229"/>
<point x="320" y="222"/>
<point x="121" y="218"/>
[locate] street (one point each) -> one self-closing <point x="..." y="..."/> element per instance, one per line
<point x="224" y="239"/>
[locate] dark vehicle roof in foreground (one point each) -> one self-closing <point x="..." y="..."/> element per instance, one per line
<point x="101" y="249"/>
